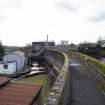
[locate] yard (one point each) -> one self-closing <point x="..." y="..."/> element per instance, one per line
<point x="38" y="79"/>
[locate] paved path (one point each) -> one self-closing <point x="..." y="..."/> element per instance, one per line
<point x="84" y="90"/>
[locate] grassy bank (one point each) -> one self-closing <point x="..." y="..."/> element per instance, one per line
<point x="38" y="79"/>
<point x="94" y="61"/>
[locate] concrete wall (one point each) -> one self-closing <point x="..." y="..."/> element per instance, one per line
<point x="60" y="64"/>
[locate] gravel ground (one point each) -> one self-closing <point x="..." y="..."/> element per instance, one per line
<point x="84" y="90"/>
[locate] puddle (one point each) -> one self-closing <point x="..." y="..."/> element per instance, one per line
<point x="74" y="64"/>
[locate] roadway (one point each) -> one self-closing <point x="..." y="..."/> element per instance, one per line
<point x="83" y="88"/>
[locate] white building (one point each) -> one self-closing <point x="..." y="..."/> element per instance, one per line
<point x="7" y="67"/>
<point x="17" y="56"/>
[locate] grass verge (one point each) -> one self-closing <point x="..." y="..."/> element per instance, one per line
<point x="94" y="61"/>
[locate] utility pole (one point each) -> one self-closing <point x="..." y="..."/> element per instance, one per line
<point x="47" y="38"/>
<point x="47" y="42"/>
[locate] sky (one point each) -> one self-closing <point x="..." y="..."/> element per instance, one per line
<point x="25" y="21"/>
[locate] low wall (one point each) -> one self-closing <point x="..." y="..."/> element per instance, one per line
<point x="60" y="64"/>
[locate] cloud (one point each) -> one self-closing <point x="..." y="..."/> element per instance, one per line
<point x="12" y="4"/>
<point x="67" y="6"/>
<point x="15" y="4"/>
<point x="2" y="17"/>
<point x="100" y="16"/>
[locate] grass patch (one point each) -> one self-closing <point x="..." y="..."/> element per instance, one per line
<point x="103" y="87"/>
<point x="38" y="79"/>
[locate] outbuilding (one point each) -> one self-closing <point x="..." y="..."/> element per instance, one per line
<point x="13" y="93"/>
<point x="8" y="67"/>
<point x="17" y="56"/>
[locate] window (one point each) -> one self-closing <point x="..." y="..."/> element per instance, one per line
<point x="5" y="66"/>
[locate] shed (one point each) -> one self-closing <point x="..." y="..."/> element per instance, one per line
<point x="17" y="56"/>
<point x="13" y="93"/>
<point x="8" y="67"/>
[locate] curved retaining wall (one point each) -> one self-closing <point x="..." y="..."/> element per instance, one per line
<point x="54" y="57"/>
<point x="60" y="62"/>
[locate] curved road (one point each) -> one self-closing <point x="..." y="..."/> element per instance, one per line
<point x="84" y="90"/>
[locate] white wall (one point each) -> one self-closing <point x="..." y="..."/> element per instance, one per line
<point x="10" y="69"/>
<point x="15" y="57"/>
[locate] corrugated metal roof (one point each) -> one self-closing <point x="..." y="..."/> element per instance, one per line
<point x="4" y="80"/>
<point x="18" y="94"/>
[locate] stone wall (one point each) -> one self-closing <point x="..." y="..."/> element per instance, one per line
<point x="53" y="62"/>
<point x="54" y="57"/>
<point x="60" y="62"/>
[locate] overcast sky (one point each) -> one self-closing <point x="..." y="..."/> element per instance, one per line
<point x="24" y="21"/>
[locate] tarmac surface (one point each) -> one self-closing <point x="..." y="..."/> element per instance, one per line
<point x="84" y="89"/>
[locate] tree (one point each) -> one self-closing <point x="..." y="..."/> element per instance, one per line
<point x="99" y="41"/>
<point x="1" y="51"/>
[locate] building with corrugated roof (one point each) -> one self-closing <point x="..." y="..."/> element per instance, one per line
<point x="13" y="93"/>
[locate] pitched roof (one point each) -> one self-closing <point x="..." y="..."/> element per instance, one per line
<point x="18" y="94"/>
<point x="20" y="53"/>
<point x="4" y="80"/>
